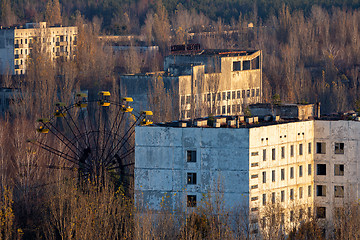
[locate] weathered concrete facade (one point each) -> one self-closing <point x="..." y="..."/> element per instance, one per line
<point x="163" y="166"/>
<point x="16" y="44"/>
<point x="204" y="83"/>
<point x="310" y="168"/>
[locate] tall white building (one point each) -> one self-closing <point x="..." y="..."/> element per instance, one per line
<point x="16" y="44"/>
<point x="309" y="167"/>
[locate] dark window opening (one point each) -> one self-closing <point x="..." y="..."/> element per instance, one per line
<point x="292" y="172"/>
<point x="321" y="212"/>
<point x="238" y="94"/>
<point x="339" y="191"/>
<point x="237" y="66"/>
<point x="191" y="156"/>
<point x="191" y="200"/>
<point x="300" y="171"/>
<point x="320" y="148"/>
<point x="321" y="190"/>
<point x="282" y="174"/>
<point x="273" y="154"/>
<point x="191" y="178"/>
<point x="339" y="148"/>
<point x="339" y="170"/>
<point x="246" y="65"/>
<point x="321" y="169"/>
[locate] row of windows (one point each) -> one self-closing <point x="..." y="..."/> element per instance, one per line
<point x="246" y="64"/>
<point x="283" y="151"/>
<point x="229" y="95"/>
<point x="273" y="196"/>
<point x="338" y="148"/>
<point x="338" y="169"/>
<point x="229" y="109"/>
<point x="54" y="39"/>
<point x="292" y="217"/>
<point x="321" y="191"/>
<point x="282" y="174"/>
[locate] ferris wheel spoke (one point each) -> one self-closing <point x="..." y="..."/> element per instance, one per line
<point x="72" y="120"/>
<point x="66" y="144"/>
<point x="112" y="150"/>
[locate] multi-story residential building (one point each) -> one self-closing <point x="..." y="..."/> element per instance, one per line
<point x="203" y="82"/>
<point x="16" y="44"/>
<point x="308" y="167"/>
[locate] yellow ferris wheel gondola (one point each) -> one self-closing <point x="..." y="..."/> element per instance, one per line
<point x="81" y="100"/>
<point x="147" y="118"/>
<point x="125" y="104"/>
<point x="104" y="98"/>
<point x="42" y="129"/>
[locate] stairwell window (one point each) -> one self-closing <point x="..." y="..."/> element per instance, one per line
<point x="191" y="200"/>
<point x="191" y="178"/>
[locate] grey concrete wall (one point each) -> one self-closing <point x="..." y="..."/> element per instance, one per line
<point x="161" y="167"/>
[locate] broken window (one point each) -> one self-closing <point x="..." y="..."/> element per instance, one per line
<point x="282" y="152"/>
<point x="300" y="149"/>
<point x="228" y="95"/>
<point x="339" y="148"/>
<point x="246" y="65"/>
<point x="243" y="93"/>
<point x="339" y="191"/>
<point x="255" y="63"/>
<point x="238" y="94"/>
<point x="223" y="95"/>
<point x="238" y="108"/>
<point x="237" y="66"/>
<point x="291" y="194"/>
<point x="320" y="148"/>
<point x="321" y="212"/>
<point x="282" y="174"/>
<point x="292" y="172"/>
<point x="300" y="171"/>
<point x="248" y="93"/>
<point x="223" y="110"/>
<point x="321" y="169"/>
<point x="233" y="95"/>
<point x="252" y="92"/>
<point x="229" y="109"/>
<point x="191" y="156"/>
<point x="191" y="200"/>
<point x="321" y="190"/>
<point x="339" y="169"/>
<point x="191" y="178"/>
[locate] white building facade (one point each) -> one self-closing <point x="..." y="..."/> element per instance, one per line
<point x="17" y="43"/>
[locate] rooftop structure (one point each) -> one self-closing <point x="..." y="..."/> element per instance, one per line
<point x="16" y="44"/>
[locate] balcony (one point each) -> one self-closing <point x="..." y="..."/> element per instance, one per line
<point x="64" y="43"/>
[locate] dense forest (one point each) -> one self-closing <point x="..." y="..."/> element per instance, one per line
<point x="311" y="53"/>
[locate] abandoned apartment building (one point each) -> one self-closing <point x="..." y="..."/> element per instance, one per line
<point x="306" y="164"/>
<point x="203" y="82"/>
<point x="16" y="44"/>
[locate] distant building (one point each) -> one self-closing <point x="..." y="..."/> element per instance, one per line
<point x="308" y="167"/>
<point x="203" y="82"/>
<point x="7" y="97"/>
<point x="16" y="44"/>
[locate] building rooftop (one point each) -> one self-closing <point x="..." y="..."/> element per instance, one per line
<point x="194" y="49"/>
